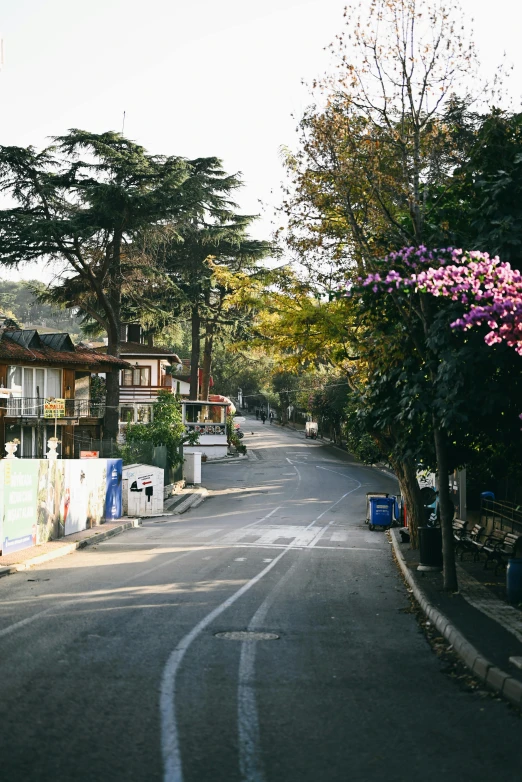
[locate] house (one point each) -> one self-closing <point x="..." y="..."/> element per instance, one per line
<point x="45" y="385"/>
<point x="182" y="376"/>
<point x="150" y="370"/>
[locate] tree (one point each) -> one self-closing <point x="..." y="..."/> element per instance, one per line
<point x="91" y="213"/>
<point x="213" y="263"/>
<point x="388" y="131"/>
<point x="481" y="207"/>
<point x="393" y="123"/>
<point x="433" y="291"/>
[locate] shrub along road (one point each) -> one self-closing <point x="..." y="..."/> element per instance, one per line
<point x="265" y="636"/>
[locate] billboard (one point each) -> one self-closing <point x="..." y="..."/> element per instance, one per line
<point x="43" y="500"/>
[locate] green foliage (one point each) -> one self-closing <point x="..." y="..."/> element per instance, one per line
<point x="481" y="206"/>
<point x="166" y="428"/>
<point x="20" y="300"/>
<point x="232" y="437"/>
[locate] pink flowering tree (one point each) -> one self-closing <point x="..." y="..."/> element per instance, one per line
<point x="465" y="289"/>
<point x="490" y="289"/>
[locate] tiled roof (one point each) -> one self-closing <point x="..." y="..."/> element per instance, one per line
<point x="18" y="349"/>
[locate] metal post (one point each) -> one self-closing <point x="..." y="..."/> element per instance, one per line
<point x="463" y="512"/>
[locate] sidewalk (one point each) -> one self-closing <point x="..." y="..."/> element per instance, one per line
<point x="483" y="629"/>
<point x="27" y="557"/>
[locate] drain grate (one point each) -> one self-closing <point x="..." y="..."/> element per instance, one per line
<point x="246" y="635"/>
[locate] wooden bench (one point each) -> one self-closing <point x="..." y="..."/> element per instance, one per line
<point x="459" y="534"/>
<point x="489" y="544"/>
<point x="469" y="541"/>
<point x="503" y="550"/>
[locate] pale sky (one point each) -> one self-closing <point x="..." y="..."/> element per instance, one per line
<point x="194" y="78"/>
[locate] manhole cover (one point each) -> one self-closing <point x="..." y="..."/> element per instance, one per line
<point x="247" y="635"/>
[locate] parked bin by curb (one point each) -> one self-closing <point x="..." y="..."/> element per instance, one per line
<point x="430" y="548"/>
<point x="381" y="511"/>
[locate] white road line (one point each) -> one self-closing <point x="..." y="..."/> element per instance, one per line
<point x="249" y="743"/>
<point x="339" y="537"/>
<point x="172" y="764"/>
<point x="260" y="521"/>
<point x="318" y="467"/>
<point x="171" y="753"/>
<point x="323" y="529"/>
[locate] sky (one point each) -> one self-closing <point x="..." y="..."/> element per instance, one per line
<point x="194" y="77"/>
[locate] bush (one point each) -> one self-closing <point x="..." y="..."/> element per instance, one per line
<point x="166" y="428"/>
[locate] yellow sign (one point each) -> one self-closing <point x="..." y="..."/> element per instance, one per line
<point x="54" y="408"/>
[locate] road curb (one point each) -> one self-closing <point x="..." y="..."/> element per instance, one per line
<point x="494" y="678"/>
<point x="69" y="548"/>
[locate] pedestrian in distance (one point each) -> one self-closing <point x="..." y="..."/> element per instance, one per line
<point x="271" y="416"/>
<point x="263" y="416"/>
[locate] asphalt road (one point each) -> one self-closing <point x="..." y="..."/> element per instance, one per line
<point x="112" y="666"/>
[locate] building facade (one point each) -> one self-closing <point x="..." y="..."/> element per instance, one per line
<point x="150" y="370"/>
<point x="45" y="387"/>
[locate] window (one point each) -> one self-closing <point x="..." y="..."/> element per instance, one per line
<point x="127" y="414"/>
<point x="144" y="414"/>
<point x="28" y="383"/>
<point x="139" y="376"/>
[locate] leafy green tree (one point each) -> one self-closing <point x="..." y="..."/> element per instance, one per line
<point x="481" y="206"/>
<point x="212" y="263"/>
<point x="87" y="201"/>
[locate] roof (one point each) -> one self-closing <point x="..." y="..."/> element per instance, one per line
<point x="138" y="349"/>
<point x="50" y="349"/>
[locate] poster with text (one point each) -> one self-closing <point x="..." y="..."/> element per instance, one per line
<point x="20" y="487"/>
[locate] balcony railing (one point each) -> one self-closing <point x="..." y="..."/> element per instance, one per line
<point x="27" y="407"/>
<point x="139" y="393"/>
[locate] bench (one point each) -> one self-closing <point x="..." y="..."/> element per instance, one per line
<point x="491" y="542"/>
<point x="470" y="540"/>
<point x="501" y="551"/>
<point x="459" y="533"/>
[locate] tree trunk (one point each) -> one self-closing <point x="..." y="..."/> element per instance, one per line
<point x="112" y="386"/>
<point x="194" y="354"/>
<point x="112" y="382"/>
<point x="410" y="490"/>
<point x="446" y="511"/>
<point x="207" y="360"/>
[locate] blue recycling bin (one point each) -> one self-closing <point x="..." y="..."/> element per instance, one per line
<point x="381" y="511"/>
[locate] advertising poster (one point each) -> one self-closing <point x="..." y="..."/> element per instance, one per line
<point x="50" y="500"/>
<point x="113" y="498"/>
<point x="84" y="495"/>
<point x="20" y="492"/>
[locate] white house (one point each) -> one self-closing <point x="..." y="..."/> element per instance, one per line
<point x="151" y="371"/>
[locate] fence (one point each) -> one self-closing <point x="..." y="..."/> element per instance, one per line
<point x="132" y="453"/>
<point x="16" y="407"/>
<point x="501" y="515"/>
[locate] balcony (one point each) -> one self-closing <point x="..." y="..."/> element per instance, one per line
<point x="27" y="407"/>
<point x="142" y="393"/>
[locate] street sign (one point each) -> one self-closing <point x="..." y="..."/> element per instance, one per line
<point x="54" y="408"/>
